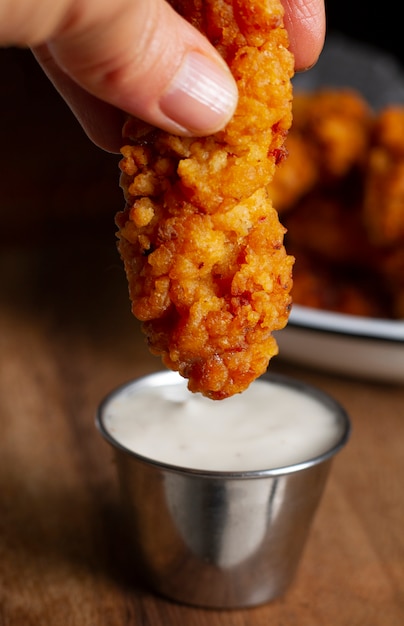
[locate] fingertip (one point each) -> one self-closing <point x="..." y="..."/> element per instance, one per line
<point x="306" y="24"/>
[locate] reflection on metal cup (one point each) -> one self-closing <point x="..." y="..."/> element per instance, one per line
<point x="221" y="539"/>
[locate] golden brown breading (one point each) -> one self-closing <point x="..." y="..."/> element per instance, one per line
<point x="383" y="205"/>
<point x="345" y="221"/>
<point x="335" y="125"/>
<point x="338" y="288"/>
<point x="329" y="226"/>
<point x="329" y="139"/>
<point x="295" y="176"/>
<point x="392" y="271"/>
<point x="201" y="243"/>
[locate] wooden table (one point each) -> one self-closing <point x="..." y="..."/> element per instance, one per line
<point x="66" y="338"/>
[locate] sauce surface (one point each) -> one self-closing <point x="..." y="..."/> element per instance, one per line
<point x="268" y="426"/>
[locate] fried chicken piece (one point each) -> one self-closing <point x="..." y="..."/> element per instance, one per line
<point x="202" y="245"/>
<point x="337" y="268"/>
<point x="340" y="289"/>
<point x="383" y="204"/>
<point x="392" y="271"/>
<point x="329" y="226"/>
<point x="295" y="176"/>
<point x="328" y="141"/>
<point x="335" y="124"/>
<point x="341" y="196"/>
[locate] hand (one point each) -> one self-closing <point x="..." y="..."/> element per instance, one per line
<point x="139" y="56"/>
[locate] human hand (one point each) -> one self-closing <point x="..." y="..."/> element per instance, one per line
<point x="140" y="57"/>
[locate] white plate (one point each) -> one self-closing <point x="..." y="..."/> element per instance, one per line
<point x="345" y="344"/>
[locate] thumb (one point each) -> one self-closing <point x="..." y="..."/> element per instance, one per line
<point x="142" y="57"/>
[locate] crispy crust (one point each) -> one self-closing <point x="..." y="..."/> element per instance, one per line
<point x="341" y="197"/>
<point x="202" y="245"/>
<point x="384" y="186"/>
<point x="329" y="138"/>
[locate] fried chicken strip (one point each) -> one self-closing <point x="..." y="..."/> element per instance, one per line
<point x="340" y="193"/>
<point x="329" y="140"/>
<point x="202" y="245"/>
<point x="384" y="184"/>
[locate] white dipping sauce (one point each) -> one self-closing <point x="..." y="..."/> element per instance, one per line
<point x="269" y="425"/>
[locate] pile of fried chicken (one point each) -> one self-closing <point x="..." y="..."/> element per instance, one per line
<point x="200" y="237"/>
<point x="340" y="195"/>
<point x="201" y="242"/>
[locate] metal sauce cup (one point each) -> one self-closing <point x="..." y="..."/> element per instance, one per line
<point x="220" y="539"/>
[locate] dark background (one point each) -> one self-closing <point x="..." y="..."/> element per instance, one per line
<point x="378" y="23"/>
<point x="54" y="183"/>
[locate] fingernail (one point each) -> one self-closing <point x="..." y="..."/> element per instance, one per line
<point x="202" y="96"/>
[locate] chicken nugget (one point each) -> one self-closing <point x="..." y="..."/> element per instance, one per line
<point x="342" y="289"/>
<point x="335" y="126"/>
<point x="392" y="271"/>
<point x="383" y="204"/>
<point x="295" y="177"/>
<point x="328" y="142"/>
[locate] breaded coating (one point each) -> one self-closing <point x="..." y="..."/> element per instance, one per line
<point x="383" y="204"/>
<point x="329" y="140"/>
<point x="338" y="288"/>
<point x="344" y="212"/>
<point x="202" y="245"/>
<point x="329" y="226"/>
<point x="392" y="271"/>
<point x="295" y="176"/>
<point x="335" y="125"/>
